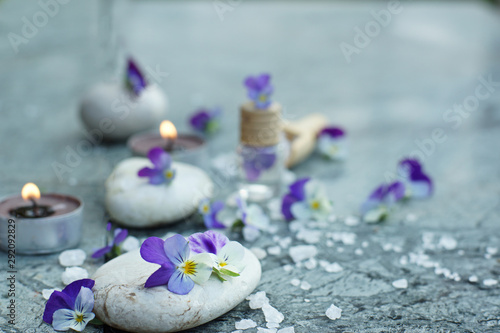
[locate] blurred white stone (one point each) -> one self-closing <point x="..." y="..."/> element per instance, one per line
<point x="245" y="324"/>
<point x="72" y="274"/>
<point x="302" y="252"/>
<point x="333" y="312"/>
<point x="130" y="243"/>
<point x="72" y="257"/>
<point x="400" y="284"/>
<point x="258" y="300"/>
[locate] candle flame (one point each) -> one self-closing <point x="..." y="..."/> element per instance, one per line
<point x="30" y="192"/>
<point x="168" y="130"/>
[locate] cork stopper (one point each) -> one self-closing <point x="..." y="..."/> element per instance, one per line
<point x="260" y="128"/>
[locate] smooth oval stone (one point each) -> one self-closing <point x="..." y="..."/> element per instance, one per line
<point x="121" y="301"/>
<point x="133" y="202"/>
<point x="116" y="113"/>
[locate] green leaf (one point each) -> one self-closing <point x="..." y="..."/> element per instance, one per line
<point x="237" y="225"/>
<point x="228" y="272"/>
<point x="96" y="321"/>
<point x="217" y="273"/>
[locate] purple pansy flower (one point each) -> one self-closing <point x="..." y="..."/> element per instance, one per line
<point x="332" y="143"/>
<point x="178" y="270"/>
<point x="209" y="213"/>
<point x="72" y="307"/>
<point x="206" y="121"/>
<point x="419" y="185"/>
<point x="377" y="206"/>
<point x="259" y="90"/>
<point x="254" y="219"/>
<point x="114" y="246"/>
<point x="134" y="79"/>
<point x="162" y="171"/>
<point x="227" y="256"/>
<point x="256" y="160"/>
<point x="306" y="200"/>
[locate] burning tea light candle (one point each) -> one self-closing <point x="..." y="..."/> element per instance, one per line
<point x="34" y="224"/>
<point x="187" y="148"/>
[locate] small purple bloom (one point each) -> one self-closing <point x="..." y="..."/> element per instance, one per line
<point x="206" y="121"/>
<point x="259" y="90"/>
<point x="256" y="160"/>
<point x="71" y="307"/>
<point x="114" y="245"/>
<point x="381" y="199"/>
<point x="209" y="241"/>
<point x="332" y="132"/>
<point x="134" y="79"/>
<point x="296" y="194"/>
<point x="177" y="269"/>
<point x="161" y="171"/>
<point x="209" y="213"/>
<point x="331" y="143"/>
<point x="420" y="184"/>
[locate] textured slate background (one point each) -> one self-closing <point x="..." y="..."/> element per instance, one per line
<point x="392" y="95"/>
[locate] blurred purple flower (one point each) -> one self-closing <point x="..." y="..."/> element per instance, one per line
<point x="134" y="79"/>
<point x="209" y="213"/>
<point x="376" y="206"/>
<point x="206" y="121"/>
<point x="259" y="90"/>
<point x="162" y="171"/>
<point x="256" y="160"/>
<point x="114" y="245"/>
<point x="297" y="193"/>
<point x="419" y="184"/>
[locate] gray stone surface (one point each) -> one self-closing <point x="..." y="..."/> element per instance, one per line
<point x="392" y="95"/>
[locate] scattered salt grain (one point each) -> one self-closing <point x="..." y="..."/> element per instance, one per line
<point x="259" y="253"/>
<point x="340" y="249"/>
<point x="72" y="257"/>
<point x="288" y="268"/>
<point x="365" y="244"/>
<point x="290" y="329"/>
<point x="490" y="282"/>
<point x="400" y="284"/>
<point x="332" y="218"/>
<point x="397" y="249"/>
<point x="237" y="331"/>
<point x="285" y="242"/>
<point x="333" y="312"/>
<point x="304" y="285"/>
<point x="272" y="314"/>
<point x="266" y="330"/>
<point x="307" y="300"/>
<point x="491" y="250"/>
<point x="47" y="292"/>
<point x="302" y="252"/>
<point x="245" y="324"/>
<point x="311" y="263"/>
<point x="72" y="274"/>
<point x="274" y="207"/>
<point x="351" y="221"/>
<point x="358" y="252"/>
<point x="274" y="250"/>
<point x="403" y="260"/>
<point x="348" y="238"/>
<point x="309" y="236"/>
<point x="411" y="217"/>
<point x="473" y="279"/>
<point x="258" y="300"/>
<point x="273" y="325"/>
<point x="295" y="282"/>
<point x="296" y="225"/>
<point x="130" y="243"/>
<point x="333" y="268"/>
<point x="447" y="242"/>
<point x="250" y="234"/>
<point x="460" y="252"/>
<point x="329" y="243"/>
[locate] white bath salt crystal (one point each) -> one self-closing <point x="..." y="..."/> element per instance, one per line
<point x="299" y="264"/>
<point x="130" y="243"/>
<point x="302" y="252"/>
<point x="311" y="264"/>
<point x="490" y="282"/>
<point x="333" y="312"/>
<point x="387" y="247"/>
<point x="259" y="253"/>
<point x="285" y="242"/>
<point x="351" y="221"/>
<point x="491" y="250"/>
<point x="332" y="218"/>
<point x="245" y="324"/>
<point x="473" y="279"/>
<point x="358" y="252"/>
<point x="307" y="300"/>
<point x="47" y="292"/>
<point x="290" y="329"/>
<point x="296" y="225"/>
<point x="288" y="176"/>
<point x="333" y="268"/>
<point x="403" y="260"/>
<point x="274" y="250"/>
<point x="272" y="315"/>
<point x="329" y="243"/>
<point x="273" y="325"/>
<point x="71" y="274"/>
<point x="365" y="244"/>
<point x="250" y="234"/>
<point x="487" y="256"/>
<point x="457" y="278"/>
<point x="447" y="242"/>
<point x="272" y="229"/>
<point x="400" y="284"/>
<point x="266" y="330"/>
<point x="72" y="257"/>
<point x="309" y="236"/>
<point x="340" y="249"/>
<point x="295" y="282"/>
<point x="461" y="252"/>
<point x="397" y="249"/>
<point x="258" y="300"/>
<point x="304" y="285"/>
<point x="237" y="331"/>
<point x="411" y="217"/>
<point x="288" y="268"/>
<point x="274" y="207"/>
<point x="348" y="238"/>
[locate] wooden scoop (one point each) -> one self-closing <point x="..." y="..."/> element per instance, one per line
<point x="302" y="134"/>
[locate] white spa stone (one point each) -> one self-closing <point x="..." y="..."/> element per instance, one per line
<point x="133" y="202"/>
<point x="121" y="301"/>
<point x="117" y="113"/>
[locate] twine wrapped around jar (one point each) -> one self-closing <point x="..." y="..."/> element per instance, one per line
<point x="260" y="128"/>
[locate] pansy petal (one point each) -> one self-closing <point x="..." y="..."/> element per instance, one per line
<point x="256" y="217"/>
<point x="395" y="192"/>
<point x="160" y="158"/>
<point x="161" y="276"/>
<point x="210" y="241"/>
<point x="332" y="132"/>
<point x="297" y="188"/>
<point x="180" y="283"/>
<point x="211" y="222"/>
<point x="58" y="300"/>
<point x="155" y="176"/>
<point x="73" y="289"/>
<point x="63" y="320"/>
<point x="84" y="301"/>
<point x="152" y="250"/>
<point x="176" y="249"/>
<point x="262" y="81"/>
<point x="203" y="270"/>
<point x="375" y="199"/>
<point x="287" y="202"/>
<point x="375" y="215"/>
<point x="300" y="210"/>
<point x="421" y="189"/>
<point x="217" y="206"/>
<point x="233" y="254"/>
<point x="101" y="252"/>
<point x="120" y="235"/>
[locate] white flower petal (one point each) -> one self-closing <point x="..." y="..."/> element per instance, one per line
<point x="300" y="210"/>
<point x="84" y="302"/>
<point x="232" y="254"/>
<point x="204" y="264"/>
<point x="257" y="218"/>
<point x="375" y="215"/>
<point x="63" y="319"/>
<point x="420" y="189"/>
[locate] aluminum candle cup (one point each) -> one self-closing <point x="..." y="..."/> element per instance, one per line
<point x="59" y="230"/>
